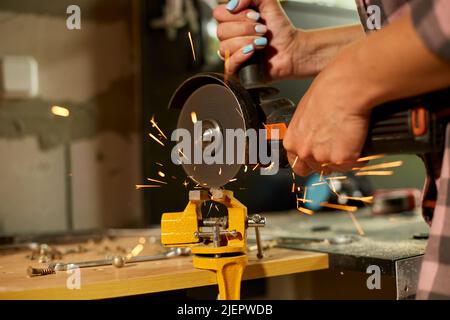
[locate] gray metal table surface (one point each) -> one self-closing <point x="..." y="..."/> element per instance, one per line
<point x="395" y="243"/>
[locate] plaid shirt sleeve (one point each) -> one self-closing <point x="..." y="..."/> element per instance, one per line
<point x="432" y="22"/>
<point x="434" y="280"/>
<point x="431" y="19"/>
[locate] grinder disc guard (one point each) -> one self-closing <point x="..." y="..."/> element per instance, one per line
<point x="219" y="107"/>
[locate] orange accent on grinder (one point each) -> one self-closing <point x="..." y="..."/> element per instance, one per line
<point x="419" y="121"/>
<point x="281" y="127"/>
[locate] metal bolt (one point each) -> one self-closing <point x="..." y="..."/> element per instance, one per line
<point x="260" y="253"/>
<point x="118" y="261"/>
<point x="34" y="272"/>
<point x="257" y="221"/>
<point x="257" y="218"/>
<point x="341" y="239"/>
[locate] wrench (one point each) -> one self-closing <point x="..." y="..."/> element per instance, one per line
<point x="118" y="261"/>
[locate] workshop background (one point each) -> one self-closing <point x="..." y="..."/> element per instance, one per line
<point x="79" y="172"/>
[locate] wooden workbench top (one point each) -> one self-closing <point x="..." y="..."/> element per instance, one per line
<point x="140" y="278"/>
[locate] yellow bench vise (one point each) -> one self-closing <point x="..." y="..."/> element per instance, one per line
<point x="219" y="244"/>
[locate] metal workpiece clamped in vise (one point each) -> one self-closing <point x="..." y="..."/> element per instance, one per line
<point x="219" y="244"/>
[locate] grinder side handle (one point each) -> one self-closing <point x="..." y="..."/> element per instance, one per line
<point x="251" y="72"/>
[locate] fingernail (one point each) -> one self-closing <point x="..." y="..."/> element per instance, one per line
<point x="260" y="28"/>
<point x="253" y="15"/>
<point x="232" y="5"/>
<point x="260" y="41"/>
<point x="248" y="49"/>
<point x="220" y="55"/>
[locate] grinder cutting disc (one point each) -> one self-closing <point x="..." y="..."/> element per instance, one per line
<point x="218" y="109"/>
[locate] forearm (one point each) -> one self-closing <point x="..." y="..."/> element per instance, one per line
<point x="316" y="48"/>
<point x="394" y="63"/>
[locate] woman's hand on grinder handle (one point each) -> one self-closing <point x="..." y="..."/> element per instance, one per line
<point x="249" y="25"/>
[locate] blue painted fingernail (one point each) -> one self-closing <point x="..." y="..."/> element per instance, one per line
<point x="260" y="41"/>
<point x="253" y="15"/>
<point x="232" y="5"/>
<point x="260" y="28"/>
<point x="248" y="49"/>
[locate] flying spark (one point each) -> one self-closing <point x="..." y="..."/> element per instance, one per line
<point x="295" y="162"/>
<point x="136" y="250"/>
<point x="192" y="46"/>
<point x="226" y="65"/>
<point x="270" y="167"/>
<point x="337" y="178"/>
<point x="161" y="174"/>
<point x="155" y="125"/>
<point x="333" y="188"/>
<point x="318" y="183"/>
<point x="356" y="223"/>
<point x="156" y="139"/>
<point x="158" y="181"/>
<point x="245" y="168"/>
<point x="159" y="164"/>
<point x="385" y="165"/>
<point x="209" y="210"/>
<point x="362" y="199"/>
<point x="306" y="211"/>
<point x="254" y="168"/>
<point x="375" y="173"/>
<point x="220" y="171"/>
<point x="142" y="186"/>
<point x="338" y="206"/>
<point x="60" y="111"/>
<point x="377" y="156"/>
<point x="303" y="200"/>
<point x="232" y="180"/>
<point x="185" y="183"/>
<point x="293" y="187"/>
<point x="183" y="155"/>
<point x="193" y="117"/>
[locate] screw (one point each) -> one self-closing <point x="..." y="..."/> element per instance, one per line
<point x="34" y="272"/>
<point x="257" y="218"/>
<point x="257" y="221"/>
<point x="260" y="253"/>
